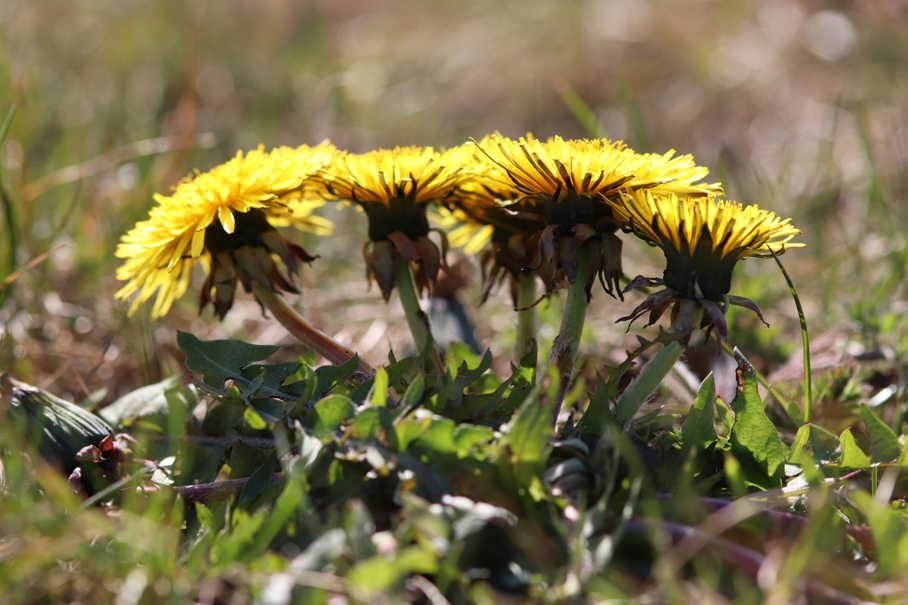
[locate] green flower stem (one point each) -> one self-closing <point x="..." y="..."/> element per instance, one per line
<point x="654" y="372"/>
<point x="805" y="341"/>
<point x="526" y="314"/>
<point x="306" y="333"/>
<point x="416" y="318"/>
<point x="564" y="349"/>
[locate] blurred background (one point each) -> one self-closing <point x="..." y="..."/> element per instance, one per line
<point x="797" y="106"/>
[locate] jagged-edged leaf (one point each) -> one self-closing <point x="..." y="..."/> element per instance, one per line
<point x="305" y="375"/>
<point x="754" y="439"/>
<point x="479" y="405"/>
<point x="884" y="443"/>
<point x="219" y="361"/>
<point x="397" y="369"/>
<point x="329" y="377"/>
<point x="472" y="375"/>
<point x="520" y="389"/>
<point x="275" y="381"/>
<point x="599" y="413"/>
<point x="699" y="428"/>
<point x="458" y="357"/>
<point x="270" y="411"/>
<point x="852" y="455"/>
<point x="413" y="395"/>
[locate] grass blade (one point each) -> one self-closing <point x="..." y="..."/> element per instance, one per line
<point x="9" y="218"/>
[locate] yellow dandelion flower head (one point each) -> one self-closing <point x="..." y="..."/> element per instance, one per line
<point x="559" y="168"/>
<point x="160" y="252"/>
<point x="416" y="174"/>
<point x="703" y="236"/>
<point x="484" y="206"/>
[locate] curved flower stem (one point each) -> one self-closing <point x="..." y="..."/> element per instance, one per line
<point x="564" y="349"/>
<point x="416" y="318"/>
<point x="526" y="313"/>
<point x="805" y="340"/>
<point x="653" y="373"/>
<point x="306" y="333"/>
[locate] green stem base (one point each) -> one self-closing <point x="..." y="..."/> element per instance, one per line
<point x="526" y="315"/>
<point x="564" y="349"/>
<point x="416" y="318"/>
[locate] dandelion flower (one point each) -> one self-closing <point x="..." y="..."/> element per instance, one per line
<point x="394" y="187"/>
<point x="224" y="219"/>
<point x="703" y="238"/>
<point x="488" y="219"/>
<point x="567" y="183"/>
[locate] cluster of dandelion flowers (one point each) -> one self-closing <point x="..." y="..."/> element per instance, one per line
<point x="394" y="187"/>
<point x="703" y="238"/>
<point x="490" y="219"/>
<point x="567" y="184"/>
<point x="249" y="196"/>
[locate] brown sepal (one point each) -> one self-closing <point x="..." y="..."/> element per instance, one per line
<point x="381" y="264"/>
<point x="431" y="259"/>
<point x="406" y="246"/>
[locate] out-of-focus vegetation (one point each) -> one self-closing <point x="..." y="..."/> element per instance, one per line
<point x="797" y="106"/>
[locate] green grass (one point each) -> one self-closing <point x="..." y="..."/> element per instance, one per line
<point x="357" y="512"/>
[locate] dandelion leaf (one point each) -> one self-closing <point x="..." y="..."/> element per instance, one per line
<point x="852" y="455"/>
<point x="884" y="444"/>
<point x="699" y="428"/>
<point x="220" y="361"/>
<point x="754" y="440"/>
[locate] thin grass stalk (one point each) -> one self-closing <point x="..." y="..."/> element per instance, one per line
<point x="582" y="112"/>
<point x="805" y="340"/>
<point x="306" y="333"/>
<point x="564" y="349"/>
<point x="11" y="230"/>
<point x="526" y="313"/>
